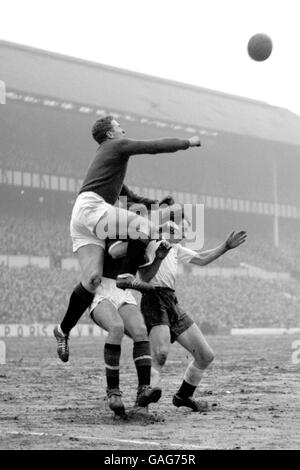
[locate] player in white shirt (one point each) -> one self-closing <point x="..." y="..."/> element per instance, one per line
<point x="166" y="322"/>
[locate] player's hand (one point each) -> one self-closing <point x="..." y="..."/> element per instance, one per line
<point x="163" y="249"/>
<point x="168" y="200"/>
<point x="235" y="239"/>
<point x="195" y="141"/>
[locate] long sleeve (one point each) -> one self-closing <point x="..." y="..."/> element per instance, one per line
<point x="133" y="198"/>
<point x="138" y="147"/>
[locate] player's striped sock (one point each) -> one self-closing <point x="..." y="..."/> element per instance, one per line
<point x="112" y="353"/>
<point x="142" y="360"/>
<point x="80" y="300"/>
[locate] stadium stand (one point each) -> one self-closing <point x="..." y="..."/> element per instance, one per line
<point x="247" y="146"/>
<point x="42" y="235"/>
<point x="240" y="302"/>
<point x="58" y="142"/>
<point x="31" y="294"/>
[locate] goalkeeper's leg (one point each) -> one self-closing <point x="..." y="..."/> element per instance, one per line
<point x="139" y="231"/>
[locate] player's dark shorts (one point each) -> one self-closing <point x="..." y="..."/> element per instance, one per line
<point x="162" y="308"/>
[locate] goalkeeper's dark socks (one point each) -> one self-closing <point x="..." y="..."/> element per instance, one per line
<point x="79" y="301"/>
<point x="112" y="353"/>
<point x="186" y="390"/>
<point x="142" y="360"/>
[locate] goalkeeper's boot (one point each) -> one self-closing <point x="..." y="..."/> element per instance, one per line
<point x="190" y="402"/>
<point x="62" y="344"/>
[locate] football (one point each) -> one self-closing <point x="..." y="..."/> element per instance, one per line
<point x="260" y="47"/>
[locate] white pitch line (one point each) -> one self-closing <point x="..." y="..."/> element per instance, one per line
<point x="95" y="438"/>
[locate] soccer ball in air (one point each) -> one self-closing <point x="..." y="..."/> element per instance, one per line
<point x="260" y="47"/>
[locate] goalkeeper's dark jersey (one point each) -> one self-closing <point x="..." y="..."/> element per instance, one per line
<point x="106" y="173"/>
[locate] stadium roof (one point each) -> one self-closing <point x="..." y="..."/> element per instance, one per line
<point x="45" y="73"/>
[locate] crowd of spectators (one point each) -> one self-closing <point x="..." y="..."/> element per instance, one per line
<point x="261" y="253"/>
<point x="49" y="236"/>
<point x="31" y="294"/>
<point x="240" y="302"/>
<point x="34" y="236"/>
<point x="48" y="140"/>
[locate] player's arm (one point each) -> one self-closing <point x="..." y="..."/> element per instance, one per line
<point x="148" y="272"/>
<point x="167" y="145"/>
<point x="232" y="241"/>
<point x="133" y="198"/>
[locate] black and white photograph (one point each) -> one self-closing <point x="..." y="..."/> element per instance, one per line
<point x="149" y="227"/>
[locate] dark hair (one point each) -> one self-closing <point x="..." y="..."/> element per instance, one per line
<point x="100" y="128"/>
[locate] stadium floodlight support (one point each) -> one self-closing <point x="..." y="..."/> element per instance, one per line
<point x="2" y="352"/>
<point x="2" y="93"/>
<point x="276" y="205"/>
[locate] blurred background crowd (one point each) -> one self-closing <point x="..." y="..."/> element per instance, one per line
<point x="31" y="294"/>
<point x="246" y="173"/>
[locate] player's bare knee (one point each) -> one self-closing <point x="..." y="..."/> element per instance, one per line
<point x="160" y="353"/>
<point x="116" y="332"/>
<point x="139" y="333"/>
<point x="208" y="358"/>
<point x="93" y="281"/>
<point x="203" y="360"/>
<point x="160" y="357"/>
